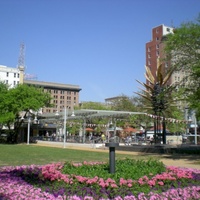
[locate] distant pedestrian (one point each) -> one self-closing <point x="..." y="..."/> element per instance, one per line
<point x="103" y="137"/>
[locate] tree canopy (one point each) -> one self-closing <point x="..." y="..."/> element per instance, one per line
<point x="18" y="99"/>
<point x="183" y="47"/>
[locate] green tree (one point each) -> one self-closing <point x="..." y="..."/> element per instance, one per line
<point x="124" y="103"/>
<point x="93" y="106"/>
<point x="22" y="98"/>
<point x="4" y="116"/>
<point x="183" y="48"/>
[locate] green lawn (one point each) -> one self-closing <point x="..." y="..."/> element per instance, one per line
<point x="23" y="154"/>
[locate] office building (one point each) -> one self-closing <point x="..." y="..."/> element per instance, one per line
<point x="63" y="95"/>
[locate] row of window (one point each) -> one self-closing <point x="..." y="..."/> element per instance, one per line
<point x="157" y="54"/>
<point x="14" y="82"/>
<point x="63" y="97"/>
<point x="61" y="92"/>
<point x="16" y="75"/>
<point x="149" y="48"/>
<point x="167" y="29"/>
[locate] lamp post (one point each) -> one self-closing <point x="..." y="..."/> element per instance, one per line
<point x="186" y="119"/>
<point x="29" y="126"/>
<point x="84" y="126"/>
<point x="195" y="129"/>
<point x="64" y="125"/>
<point x="28" y="132"/>
<point x="194" y="120"/>
<point x="65" y="120"/>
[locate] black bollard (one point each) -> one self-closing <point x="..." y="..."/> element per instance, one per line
<point x="112" y="146"/>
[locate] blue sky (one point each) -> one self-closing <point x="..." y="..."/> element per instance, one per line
<point x="96" y="44"/>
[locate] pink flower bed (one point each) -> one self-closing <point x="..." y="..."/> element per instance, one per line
<point x="13" y="187"/>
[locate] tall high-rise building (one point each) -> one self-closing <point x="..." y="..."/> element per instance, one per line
<point x="154" y="48"/>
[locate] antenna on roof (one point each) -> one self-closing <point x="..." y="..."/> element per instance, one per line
<point x="172" y="23"/>
<point x="21" y="59"/>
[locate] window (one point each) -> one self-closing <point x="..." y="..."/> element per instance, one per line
<point x="14" y="75"/>
<point x="149" y="49"/>
<point x="168" y="29"/>
<point x="157" y="53"/>
<point x="14" y="82"/>
<point x="68" y="92"/>
<point x="157" y="46"/>
<point x="149" y="62"/>
<point x="157" y="38"/>
<point x="157" y="31"/>
<point x="149" y="55"/>
<point x="7" y="74"/>
<point x="17" y="75"/>
<point x="6" y="81"/>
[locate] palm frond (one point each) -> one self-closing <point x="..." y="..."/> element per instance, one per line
<point x="145" y="85"/>
<point x="149" y="74"/>
<point x="168" y="76"/>
<point x="148" y="78"/>
<point x="145" y="91"/>
<point x="142" y="95"/>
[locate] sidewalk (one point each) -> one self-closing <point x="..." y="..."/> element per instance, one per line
<point x="188" y="161"/>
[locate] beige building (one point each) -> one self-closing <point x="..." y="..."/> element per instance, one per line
<point x="63" y="95"/>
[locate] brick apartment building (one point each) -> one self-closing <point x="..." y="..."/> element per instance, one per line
<point x="154" y="48"/>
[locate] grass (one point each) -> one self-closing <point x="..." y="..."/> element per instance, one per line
<point x="135" y="175"/>
<point x="22" y="154"/>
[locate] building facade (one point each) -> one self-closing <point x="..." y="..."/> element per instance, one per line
<point x="63" y="95"/>
<point x="154" y="48"/>
<point x="10" y="76"/>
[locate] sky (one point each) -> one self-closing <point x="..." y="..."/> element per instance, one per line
<point x="98" y="45"/>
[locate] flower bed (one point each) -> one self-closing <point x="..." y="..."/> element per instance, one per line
<point x="79" y="182"/>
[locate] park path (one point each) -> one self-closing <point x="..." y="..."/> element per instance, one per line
<point x="178" y="160"/>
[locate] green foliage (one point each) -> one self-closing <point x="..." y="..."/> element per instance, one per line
<point x="24" y="98"/>
<point x="125" y="168"/>
<point x="93" y="106"/>
<point x="184" y="46"/>
<point x="18" y="99"/>
<point x="4" y="115"/>
<point x="124" y="103"/>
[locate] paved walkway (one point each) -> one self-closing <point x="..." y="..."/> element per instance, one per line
<point x="179" y="160"/>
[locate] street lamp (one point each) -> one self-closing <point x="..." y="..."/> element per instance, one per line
<point x="64" y="125"/>
<point x="29" y="126"/>
<point x="65" y="120"/>
<point x="28" y="132"/>
<point x="186" y="119"/>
